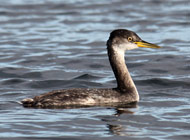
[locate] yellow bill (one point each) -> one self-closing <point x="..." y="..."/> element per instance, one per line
<point x="146" y="45"/>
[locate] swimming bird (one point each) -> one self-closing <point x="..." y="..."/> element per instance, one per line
<point x="120" y="41"/>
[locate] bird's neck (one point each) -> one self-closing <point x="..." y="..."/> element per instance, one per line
<point x="124" y="81"/>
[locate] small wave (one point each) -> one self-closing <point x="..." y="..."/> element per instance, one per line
<point x="7" y="75"/>
<point x="96" y="66"/>
<point x="32" y="75"/>
<point x="13" y="81"/>
<point x="158" y="71"/>
<point x="164" y="83"/>
<point x="63" y="84"/>
<point x="86" y="76"/>
<point x="132" y="65"/>
<point x="171" y="41"/>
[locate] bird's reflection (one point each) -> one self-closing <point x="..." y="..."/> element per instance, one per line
<point x="125" y="109"/>
<point x="120" y="129"/>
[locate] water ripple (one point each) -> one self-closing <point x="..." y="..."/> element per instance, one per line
<point x="48" y="45"/>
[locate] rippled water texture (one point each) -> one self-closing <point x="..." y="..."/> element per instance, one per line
<point x="47" y="45"/>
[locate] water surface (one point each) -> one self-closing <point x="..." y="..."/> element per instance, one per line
<point x="47" y="45"/>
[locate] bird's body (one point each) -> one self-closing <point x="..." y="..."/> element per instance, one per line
<point x="119" y="41"/>
<point x="78" y="97"/>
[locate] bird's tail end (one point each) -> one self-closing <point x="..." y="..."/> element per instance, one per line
<point x="28" y="102"/>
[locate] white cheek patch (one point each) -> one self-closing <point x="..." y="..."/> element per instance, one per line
<point x="126" y="46"/>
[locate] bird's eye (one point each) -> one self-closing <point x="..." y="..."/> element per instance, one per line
<point x="130" y="39"/>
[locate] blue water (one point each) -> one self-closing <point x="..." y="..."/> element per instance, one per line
<point x="47" y="45"/>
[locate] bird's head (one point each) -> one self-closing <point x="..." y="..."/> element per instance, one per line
<point x="122" y="39"/>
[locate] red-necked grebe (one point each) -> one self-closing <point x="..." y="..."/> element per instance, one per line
<point x="120" y="40"/>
